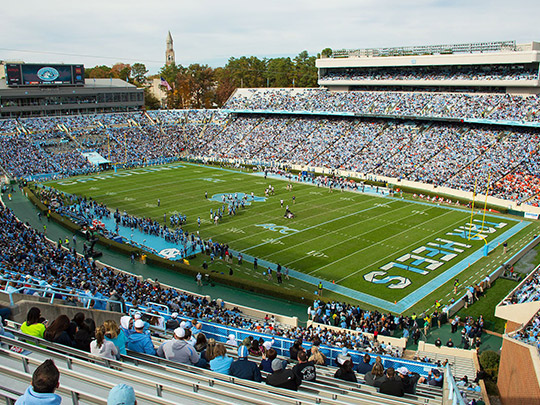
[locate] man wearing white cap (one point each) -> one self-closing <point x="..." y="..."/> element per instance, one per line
<point x="408" y="379"/>
<point x="172" y="323"/>
<point x="178" y="349"/>
<point x="139" y="341"/>
<point x="232" y="340"/>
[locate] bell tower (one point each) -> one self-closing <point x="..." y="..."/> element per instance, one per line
<point x="169" y="53"/>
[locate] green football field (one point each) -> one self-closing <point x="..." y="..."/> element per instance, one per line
<point x="363" y="242"/>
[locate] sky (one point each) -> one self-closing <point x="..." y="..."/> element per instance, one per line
<point x="210" y="32"/>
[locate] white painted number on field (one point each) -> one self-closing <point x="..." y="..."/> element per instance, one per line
<point x="419" y="212"/>
<point x="235" y="230"/>
<point x="315" y="253"/>
<point x="315" y="192"/>
<point x="273" y="241"/>
<point x="346" y="199"/>
<point x="381" y="205"/>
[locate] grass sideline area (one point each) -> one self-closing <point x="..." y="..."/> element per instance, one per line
<point x="335" y="236"/>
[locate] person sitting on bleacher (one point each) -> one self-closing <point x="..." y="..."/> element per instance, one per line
<point x="392" y="385"/>
<point x="221" y="363"/>
<point x="375" y="377"/>
<point x="365" y="367"/>
<point x="434" y="378"/>
<point x="33" y="325"/>
<point x="122" y="394"/>
<point x="172" y="323"/>
<point x="282" y="378"/>
<point x="345" y="371"/>
<point x="305" y="370"/>
<point x="268" y="357"/>
<point x="178" y="349"/>
<point x="57" y="331"/>
<point x="243" y="368"/>
<point x="295" y="349"/>
<point x="116" y="335"/>
<point x="45" y="381"/>
<point x="102" y="347"/>
<point x="126" y="325"/>
<point x="409" y="379"/>
<point x="139" y="341"/>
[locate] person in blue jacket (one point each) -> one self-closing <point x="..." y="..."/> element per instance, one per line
<point x="139" y="341"/>
<point x="243" y="368"/>
<point x="45" y="381"/>
<point x="221" y="363"/>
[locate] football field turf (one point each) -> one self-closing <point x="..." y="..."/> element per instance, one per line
<point x="387" y="248"/>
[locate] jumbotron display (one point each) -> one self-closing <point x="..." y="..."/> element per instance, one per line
<point x="44" y="75"/>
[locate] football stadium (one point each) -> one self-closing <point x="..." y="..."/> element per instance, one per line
<point x="371" y="240"/>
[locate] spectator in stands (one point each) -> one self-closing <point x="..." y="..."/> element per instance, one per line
<point x="178" y="349"/>
<point x="435" y="378"/>
<point x="122" y="394"/>
<point x="317" y="356"/>
<point x="210" y="352"/>
<point x="139" y="341"/>
<point x="172" y="323"/>
<point x="119" y="306"/>
<point x="57" y="331"/>
<point x="85" y="335"/>
<point x="365" y="366"/>
<point x="76" y="323"/>
<point x="103" y="347"/>
<point x="392" y="385"/>
<point x="221" y="363"/>
<point x="343" y="355"/>
<point x="231" y="341"/>
<point x="255" y="349"/>
<point x="126" y="325"/>
<point x="282" y="378"/>
<point x="45" y="381"/>
<point x="33" y="325"/>
<point x="267" y="358"/>
<point x="409" y="379"/>
<point x="244" y="368"/>
<point x="295" y="348"/>
<point x="305" y="369"/>
<point x="345" y="371"/>
<point x="116" y="335"/>
<point x="376" y="376"/>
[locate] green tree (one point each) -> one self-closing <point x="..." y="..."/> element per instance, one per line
<point x="98" y="72"/>
<point x="150" y="101"/>
<point x="280" y="72"/>
<point x="306" y="72"/>
<point x="138" y="73"/>
<point x="326" y="52"/>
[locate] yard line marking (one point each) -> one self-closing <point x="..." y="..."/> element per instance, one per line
<point x="345" y="241"/>
<point x="390" y="255"/>
<point x="312" y="227"/>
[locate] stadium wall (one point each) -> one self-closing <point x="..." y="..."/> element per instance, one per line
<point x="519" y="373"/>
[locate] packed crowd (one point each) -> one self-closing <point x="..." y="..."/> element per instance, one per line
<point x="502" y="72"/>
<point x="449" y="155"/>
<point x="441" y="154"/>
<point x="414" y="104"/>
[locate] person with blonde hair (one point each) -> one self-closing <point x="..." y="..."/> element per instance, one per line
<point x="102" y="347"/>
<point x="375" y="377"/>
<point x="317" y="356"/>
<point x="210" y="352"/>
<point x="116" y="335"/>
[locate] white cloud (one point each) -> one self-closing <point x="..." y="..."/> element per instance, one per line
<point x="211" y="31"/>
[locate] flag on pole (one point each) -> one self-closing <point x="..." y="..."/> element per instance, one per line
<point x="164" y="82"/>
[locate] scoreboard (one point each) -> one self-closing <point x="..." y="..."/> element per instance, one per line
<point x="29" y="74"/>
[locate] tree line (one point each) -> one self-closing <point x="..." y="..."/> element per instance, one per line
<point x="201" y="86"/>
